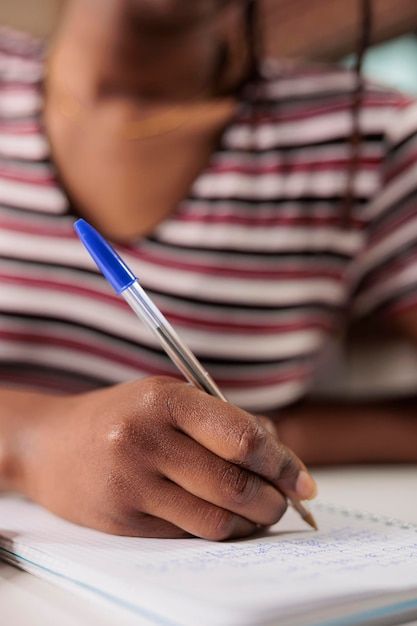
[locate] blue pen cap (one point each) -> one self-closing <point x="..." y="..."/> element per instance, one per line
<point x="107" y="260"/>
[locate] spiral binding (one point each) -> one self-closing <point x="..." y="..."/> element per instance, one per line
<point x="366" y="516"/>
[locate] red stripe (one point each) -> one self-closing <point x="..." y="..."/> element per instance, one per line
<point x="308" y="323"/>
<point x="61" y="287"/>
<point x="372" y="101"/>
<point x="407" y="163"/>
<point x="45" y="382"/>
<point x="406" y="305"/>
<point x="63" y="230"/>
<point x="115" y="356"/>
<point x="395" y="267"/>
<point x="20" y="128"/>
<point x="243" y="381"/>
<point x="28" y="178"/>
<point x="172" y="263"/>
<point x="368" y="163"/>
<point x="262" y="221"/>
<point x="19" y="88"/>
<point x="290" y="375"/>
<point x="392" y="224"/>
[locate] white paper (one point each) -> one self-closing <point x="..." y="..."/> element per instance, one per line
<point x="191" y="581"/>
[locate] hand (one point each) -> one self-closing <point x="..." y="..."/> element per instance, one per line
<point x="159" y="458"/>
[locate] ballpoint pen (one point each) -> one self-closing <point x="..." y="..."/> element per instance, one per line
<point x="126" y="284"/>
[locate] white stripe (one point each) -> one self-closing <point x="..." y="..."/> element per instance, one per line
<point x="250" y="398"/>
<point x="292" y="185"/>
<point x="404" y="123"/>
<point x="393" y="242"/>
<point x="87" y="338"/>
<point x="399" y="188"/>
<point x="380" y="292"/>
<point x="310" y="85"/>
<point x="319" y="128"/>
<point x="265" y="239"/>
<point x="123" y="323"/>
<point x="247" y="262"/>
<point x="18" y="69"/>
<point x="71" y="252"/>
<point x="99" y="286"/>
<point x="311" y="154"/>
<point x="183" y="282"/>
<point x="34" y="197"/>
<point x="66" y="359"/>
<point x="15" y="104"/>
<point x="23" y="146"/>
<point x="44" y="248"/>
<point x="269" y="397"/>
<point x="255" y="291"/>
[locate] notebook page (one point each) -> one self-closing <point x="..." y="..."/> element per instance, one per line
<point x="192" y="581"/>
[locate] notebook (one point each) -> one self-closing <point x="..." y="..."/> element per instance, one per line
<point x="358" y="569"/>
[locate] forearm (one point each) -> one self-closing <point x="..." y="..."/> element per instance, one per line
<point x="20" y="415"/>
<point x="322" y="433"/>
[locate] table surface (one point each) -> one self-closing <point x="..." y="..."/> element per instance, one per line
<point x="29" y="601"/>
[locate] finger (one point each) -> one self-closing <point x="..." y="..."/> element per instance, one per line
<point x="222" y="483"/>
<point x="196" y="516"/>
<point x="142" y="525"/>
<point x="238" y="437"/>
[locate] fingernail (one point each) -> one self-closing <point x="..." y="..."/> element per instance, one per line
<point x="305" y="487"/>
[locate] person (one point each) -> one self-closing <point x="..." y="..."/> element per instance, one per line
<point x="262" y="206"/>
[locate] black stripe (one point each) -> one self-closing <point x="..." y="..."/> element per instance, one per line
<point x="393" y="300"/>
<point x="20" y="369"/>
<point x="99" y="334"/>
<point x="391" y="211"/>
<point x="397" y="255"/>
<point x="214" y="304"/>
<point x="404" y="143"/>
<point x="258" y="254"/>
<point x="68" y="269"/>
<point x="278" y="201"/>
<point x="35" y="212"/>
<point x="338" y="140"/>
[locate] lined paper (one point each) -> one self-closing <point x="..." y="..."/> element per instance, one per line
<point x="287" y="572"/>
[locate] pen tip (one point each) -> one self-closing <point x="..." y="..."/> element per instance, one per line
<point x="311" y="521"/>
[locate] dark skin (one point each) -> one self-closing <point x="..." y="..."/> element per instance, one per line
<point x="156" y="457"/>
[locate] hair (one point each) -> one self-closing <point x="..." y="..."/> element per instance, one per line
<point x="254" y="38"/>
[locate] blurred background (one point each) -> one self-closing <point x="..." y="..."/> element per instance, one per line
<point x="311" y="29"/>
<point x="317" y="30"/>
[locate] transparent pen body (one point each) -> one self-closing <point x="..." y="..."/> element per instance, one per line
<point x="176" y="349"/>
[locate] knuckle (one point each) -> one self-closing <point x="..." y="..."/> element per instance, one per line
<point x="121" y="435"/>
<point x="287" y="465"/>
<point x="162" y="396"/>
<point x="238" y="485"/>
<point x="250" y="440"/>
<point x="153" y="392"/>
<point x="128" y="438"/>
<point x="218" y="524"/>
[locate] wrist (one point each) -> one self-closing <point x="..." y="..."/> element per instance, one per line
<point x="23" y="419"/>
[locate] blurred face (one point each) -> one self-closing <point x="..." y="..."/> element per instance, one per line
<point x="177" y="13"/>
<point x="152" y="48"/>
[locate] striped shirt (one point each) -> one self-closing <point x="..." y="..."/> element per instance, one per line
<point x="254" y="268"/>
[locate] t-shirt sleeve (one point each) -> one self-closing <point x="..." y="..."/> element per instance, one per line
<point x="386" y="270"/>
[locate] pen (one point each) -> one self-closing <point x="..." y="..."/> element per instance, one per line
<point x="126" y="284"/>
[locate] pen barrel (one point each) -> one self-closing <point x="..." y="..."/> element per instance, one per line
<point x="173" y="345"/>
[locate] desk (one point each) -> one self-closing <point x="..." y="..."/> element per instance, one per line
<point x="28" y="601"/>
